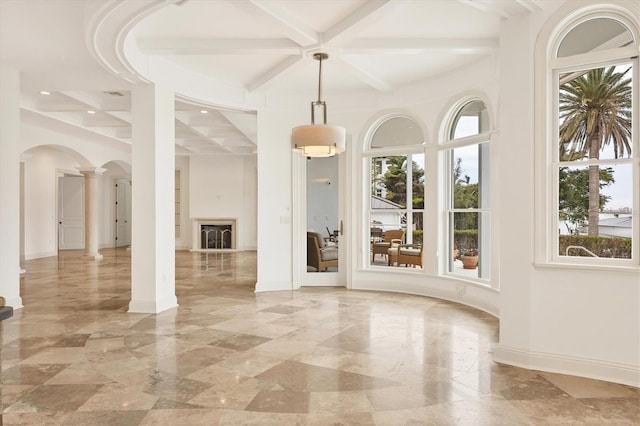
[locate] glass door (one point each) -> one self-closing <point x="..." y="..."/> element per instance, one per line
<point x="323" y="238"/>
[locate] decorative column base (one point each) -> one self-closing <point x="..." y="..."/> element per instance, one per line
<point x="93" y="256"/>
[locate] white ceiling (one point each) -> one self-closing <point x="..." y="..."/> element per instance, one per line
<point x="258" y="45"/>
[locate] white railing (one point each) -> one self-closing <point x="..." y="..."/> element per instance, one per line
<point x="592" y="254"/>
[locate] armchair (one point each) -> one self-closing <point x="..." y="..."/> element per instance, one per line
<point x="319" y="254"/>
<point x="393" y="236"/>
<point x="410" y="254"/>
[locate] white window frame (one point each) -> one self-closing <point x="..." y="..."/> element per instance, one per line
<point x="394" y="151"/>
<point x="447" y="146"/>
<point x="546" y="139"/>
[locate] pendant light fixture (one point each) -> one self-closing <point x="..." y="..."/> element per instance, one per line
<point x="318" y="140"/>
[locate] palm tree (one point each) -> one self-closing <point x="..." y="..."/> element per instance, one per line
<point x="595" y="112"/>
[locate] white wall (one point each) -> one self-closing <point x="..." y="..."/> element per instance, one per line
<point x="40" y="200"/>
<point x="274" y="198"/>
<point x="565" y="319"/>
<point x="223" y="187"/>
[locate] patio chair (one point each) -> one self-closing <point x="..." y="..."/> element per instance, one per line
<point x="410" y="254"/>
<point x="392" y="236"/>
<point x="376" y="234"/>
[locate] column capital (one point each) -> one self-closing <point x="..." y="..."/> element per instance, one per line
<point x="91" y="169"/>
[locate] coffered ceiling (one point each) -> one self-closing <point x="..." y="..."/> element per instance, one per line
<point x="260" y="47"/>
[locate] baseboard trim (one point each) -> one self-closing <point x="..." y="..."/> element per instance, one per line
<point x="273" y="286"/>
<point x="625" y="374"/>
<point x="152" y="306"/>
<point x="40" y="255"/>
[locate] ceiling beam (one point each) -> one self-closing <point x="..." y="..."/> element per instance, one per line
<point x="367" y="76"/>
<point x="245" y="123"/>
<point x="120" y="112"/>
<point x="272" y="73"/>
<point x="486" y="6"/>
<point x="408" y="46"/>
<point x="364" y="16"/>
<point x="197" y="132"/>
<point x="530" y="5"/>
<point x="208" y="46"/>
<point x="292" y="27"/>
<point x="504" y="9"/>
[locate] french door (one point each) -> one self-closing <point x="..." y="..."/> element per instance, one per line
<point x="320" y="218"/>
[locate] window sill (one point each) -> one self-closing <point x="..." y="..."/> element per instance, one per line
<point x="583" y="266"/>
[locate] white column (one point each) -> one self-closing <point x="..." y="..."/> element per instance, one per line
<point x="10" y="148"/>
<point x="152" y="200"/>
<point x="91" y="210"/>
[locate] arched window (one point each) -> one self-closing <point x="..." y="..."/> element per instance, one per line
<point x="467" y="157"/>
<point x="592" y="146"/>
<point x="396" y="160"/>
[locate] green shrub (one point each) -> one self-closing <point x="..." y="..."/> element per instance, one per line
<point x="601" y="246"/>
<point x="417" y="236"/>
<point x="465" y="238"/>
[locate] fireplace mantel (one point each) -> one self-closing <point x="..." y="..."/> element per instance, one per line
<point x="197" y="243"/>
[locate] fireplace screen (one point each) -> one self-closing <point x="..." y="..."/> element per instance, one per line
<point x="216" y="236"/>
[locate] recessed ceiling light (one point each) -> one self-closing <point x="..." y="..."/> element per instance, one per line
<point x="204" y="111"/>
<point x="91" y="111"/>
<point x="44" y="92"/>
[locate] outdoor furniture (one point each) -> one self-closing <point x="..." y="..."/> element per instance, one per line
<point x="319" y="255"/>
<point x="333" y="236"/>
<point x="394" y="236"/>
<point x="376" y="234"/>
<point x="410" y="254"/>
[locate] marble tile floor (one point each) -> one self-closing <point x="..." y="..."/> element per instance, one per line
<point x="229" y="356"/>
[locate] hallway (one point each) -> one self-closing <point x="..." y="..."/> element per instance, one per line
<point x="229" y="356"/>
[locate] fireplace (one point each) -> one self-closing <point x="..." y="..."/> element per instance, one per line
<point x="214" y="234"/>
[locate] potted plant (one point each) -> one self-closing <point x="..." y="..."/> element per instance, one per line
<point x="469" y="258"/>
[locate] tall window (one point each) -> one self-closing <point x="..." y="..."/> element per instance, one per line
<point x="468" y="213"/>
<point x="595" y="144"/>
<point x="395" y="160"/>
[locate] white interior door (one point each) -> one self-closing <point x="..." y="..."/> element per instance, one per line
<point x="324" y="201"/>
<point x="123" y="212"/>
<point x="71" y="213"/>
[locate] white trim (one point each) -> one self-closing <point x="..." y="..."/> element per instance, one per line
<point x="594" y="59"/>
<point x="446" y="146"/>
<point x="546" y="124"/>
<point x="626" y="374"/>
<point x="299" y="219"/>
<point x="451" y="109"/>
<point x="40" y="255"/>
<point x="152" y="306"/>
<point x="378" y="120"/>
<point x="465" y="292"/>
<point x="262" y="286"/>
<point x="484" y="137"/>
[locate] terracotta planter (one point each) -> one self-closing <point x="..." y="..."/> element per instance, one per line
<point x="469" y="262"/>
